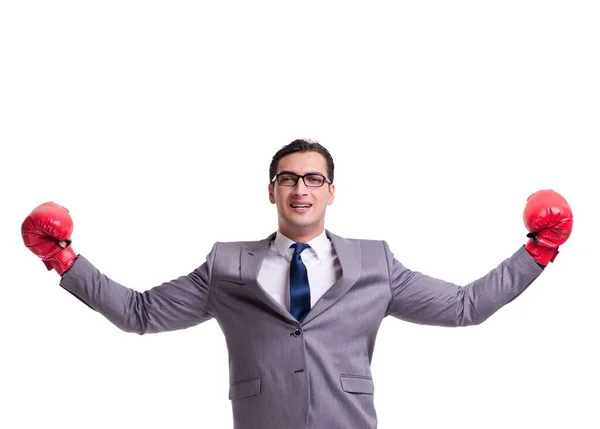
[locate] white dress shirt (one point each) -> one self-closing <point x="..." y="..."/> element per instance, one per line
<point x="321" y="263"/>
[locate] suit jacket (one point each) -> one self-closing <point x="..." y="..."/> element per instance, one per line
<point x="310" y="375"/>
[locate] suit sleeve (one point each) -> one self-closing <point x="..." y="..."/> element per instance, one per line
<point x="426" y="300"/>
<point x="177" y="304"/>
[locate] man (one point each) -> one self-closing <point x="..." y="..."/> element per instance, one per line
<point x="300" y="310"/>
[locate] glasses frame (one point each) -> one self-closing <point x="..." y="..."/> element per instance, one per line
<point x="298" y="177"/>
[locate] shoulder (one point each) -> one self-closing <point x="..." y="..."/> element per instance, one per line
<point x="362" y="242"/>
<point x="224" y="246"/>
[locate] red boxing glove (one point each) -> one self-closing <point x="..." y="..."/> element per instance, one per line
<point x="44" y="230"/>
<point x="549" y="219"/>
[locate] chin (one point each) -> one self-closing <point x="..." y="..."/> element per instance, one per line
<point x="301" y="224"/>
<point x="298" y="221"/>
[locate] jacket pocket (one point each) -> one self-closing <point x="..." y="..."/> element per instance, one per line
<point x="357" y="384"/>
<point x="243" y="388"/>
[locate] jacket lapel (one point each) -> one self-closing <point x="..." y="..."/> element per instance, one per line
<point x="348" y="253"/>
<point x="251" y="259"/>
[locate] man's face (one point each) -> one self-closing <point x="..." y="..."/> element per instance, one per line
<point x="301" y="209"/>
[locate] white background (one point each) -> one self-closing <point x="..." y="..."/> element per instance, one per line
<point x="155" y="122"/>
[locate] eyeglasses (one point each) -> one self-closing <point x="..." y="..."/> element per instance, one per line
<point x="312" y="180"/>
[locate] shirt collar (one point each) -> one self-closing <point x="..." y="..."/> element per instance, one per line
<point x="319" y="244"/>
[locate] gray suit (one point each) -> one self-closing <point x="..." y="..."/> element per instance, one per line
<point x="313" y="375"/>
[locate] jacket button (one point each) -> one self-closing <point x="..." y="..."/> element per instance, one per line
<point x="297" y="333"/>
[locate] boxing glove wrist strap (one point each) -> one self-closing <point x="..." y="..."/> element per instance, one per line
<point x="542" y="255"/>
<point x="62" y="261"/>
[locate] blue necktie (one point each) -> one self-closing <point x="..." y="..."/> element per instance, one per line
<point x="299" y="289"/>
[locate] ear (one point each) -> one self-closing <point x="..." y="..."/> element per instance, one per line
<point x="271" y="193"/>
<point x="331" y="194"/>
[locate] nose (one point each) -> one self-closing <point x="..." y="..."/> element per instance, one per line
<point x="300" y="188"/>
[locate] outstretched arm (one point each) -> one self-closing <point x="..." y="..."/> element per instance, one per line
<point x="173" y="305"/>
<point x="422" y="299"/>
<point x="426" y="300"/>
<point x="177" y="304"/>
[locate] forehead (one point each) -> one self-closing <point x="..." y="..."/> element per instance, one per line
<point x="303" y="162"/>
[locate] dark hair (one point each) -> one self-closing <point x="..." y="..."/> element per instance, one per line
<point x="301" y="145"/>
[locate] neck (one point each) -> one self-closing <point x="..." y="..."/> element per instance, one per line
<point x="300" y="236"/>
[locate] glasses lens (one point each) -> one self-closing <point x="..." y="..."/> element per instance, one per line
<point x="314" y="180"/>
<point x="287" y="180"/>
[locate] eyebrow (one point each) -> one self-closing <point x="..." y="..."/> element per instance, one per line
<point x="293" y="172"/>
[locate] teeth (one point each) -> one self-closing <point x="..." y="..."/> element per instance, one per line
<point x="300" y="207"/>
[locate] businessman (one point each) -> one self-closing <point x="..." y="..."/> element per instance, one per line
<point x="300" y="309"/>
